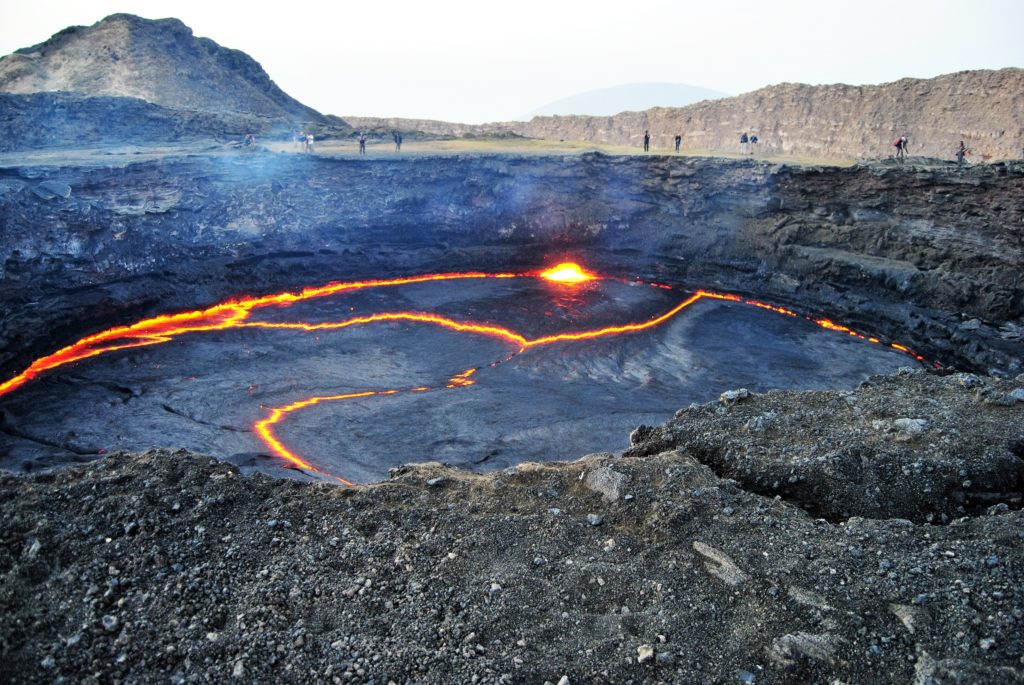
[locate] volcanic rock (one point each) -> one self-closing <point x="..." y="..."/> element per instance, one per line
<point x="127" y="81"/>
<point x="957" y="458"/>
<point x="835" y="121"/>
<point x="606" y="482"/>
<point x="769" y="590"/>
<point x="157" y="61"/>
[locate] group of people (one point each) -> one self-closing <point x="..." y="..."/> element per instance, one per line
<point x="748" y="146"/>
<point x="900" y="145"/>
<point x="748" y="143"/>
<point x="647" y="141"/>
<point x="303" y="141"/>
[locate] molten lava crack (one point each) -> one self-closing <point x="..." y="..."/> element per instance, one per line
<point x="236" y="314"/>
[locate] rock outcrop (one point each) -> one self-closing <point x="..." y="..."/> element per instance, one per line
<point x="158" y="61"/>
<point x="62" y="120"/>
<point x="127" y="80"/>
<point x="983" y="108"/>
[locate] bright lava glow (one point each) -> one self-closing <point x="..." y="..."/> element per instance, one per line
<point x="567" y="272"/>
<point x="235" y="314"/>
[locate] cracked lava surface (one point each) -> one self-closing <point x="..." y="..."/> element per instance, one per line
<point x="570" y="359"/>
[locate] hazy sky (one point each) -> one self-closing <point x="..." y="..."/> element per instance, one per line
<point x="475" y="61"/>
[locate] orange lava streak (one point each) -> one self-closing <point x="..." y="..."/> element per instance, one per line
<point x="262" y="427"/>
<point x="333" y="288"/>
<point x="230" y="314"/>
<point x="771" y="307"/>
<point x="615" y="330"/>
<point x="421" y="317"/>
<point x="825" y="323"/>
<point x="462" y="380"/>
<point x="153" y="331"/>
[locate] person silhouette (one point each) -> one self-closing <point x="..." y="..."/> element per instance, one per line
<point x="647" y="141"/>
<point x="679" y="140"/>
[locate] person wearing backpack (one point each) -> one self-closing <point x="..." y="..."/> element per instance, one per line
<point x="744" y="141"/>
<point x="901" y="145"/>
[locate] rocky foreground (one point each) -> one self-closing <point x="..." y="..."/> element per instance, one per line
<point x="647" y="567"/>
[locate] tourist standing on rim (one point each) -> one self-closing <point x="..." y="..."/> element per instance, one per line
<point x="743" y="143"/>
<point x="960" y="153"/>
<point x="647" y="141"/>
<point x="362" y="143"/>
<point x="679" y="140"/>
<point x="753" y="143"/>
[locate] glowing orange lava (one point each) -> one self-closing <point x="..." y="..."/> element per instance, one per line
<point x="236" y="313"/>
<point x="567" y="272"/>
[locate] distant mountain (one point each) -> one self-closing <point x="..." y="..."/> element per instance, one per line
<point x="631" y="97"/>
<point x="158" y="61"/>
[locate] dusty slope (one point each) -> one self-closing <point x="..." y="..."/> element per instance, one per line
<point x="158" y="61"/>
<point x="646" y="569"/>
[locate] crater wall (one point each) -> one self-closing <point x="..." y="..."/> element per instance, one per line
<point x="933" y="254"/>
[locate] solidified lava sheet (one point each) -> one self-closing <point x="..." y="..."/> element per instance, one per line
<point x="480" y="370"/>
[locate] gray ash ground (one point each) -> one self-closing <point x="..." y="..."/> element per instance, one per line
<point x="651" y="568"/>
<point x="204" y="391"/>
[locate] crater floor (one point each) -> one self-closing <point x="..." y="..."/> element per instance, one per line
<point x="361" y="380"/>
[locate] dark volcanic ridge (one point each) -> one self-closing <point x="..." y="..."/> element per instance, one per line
<point x="656" y="567"/>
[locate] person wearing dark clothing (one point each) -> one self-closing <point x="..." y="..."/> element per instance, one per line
<point x="647" y="141"/>
<point x="679" y="141"/>
<point x="744" y="141"/>
<point x="362" y="144"/>
<point x="753" y="144"/>
<point x="960" y="153"/>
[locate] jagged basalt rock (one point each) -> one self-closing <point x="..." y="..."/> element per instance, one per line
<point x="845" y="454"/>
